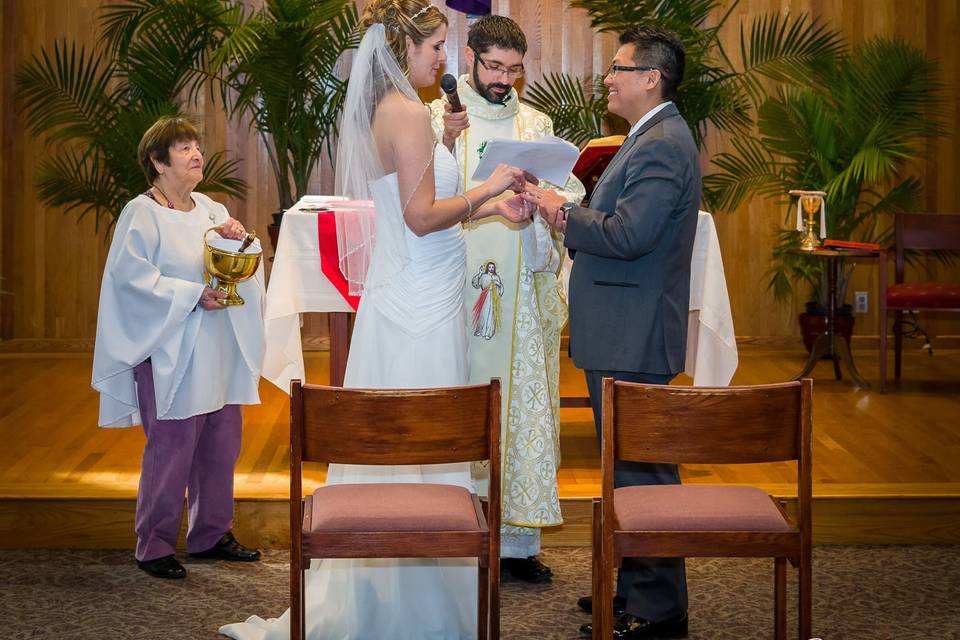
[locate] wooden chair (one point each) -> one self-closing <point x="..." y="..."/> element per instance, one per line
<point x="395" y="427"/>
<point x="916" y="232"/>
<point x="703" y="425"/>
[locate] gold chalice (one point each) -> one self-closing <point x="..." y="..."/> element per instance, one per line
<point x="810" y="202"/>
<point x="226" y="264"/>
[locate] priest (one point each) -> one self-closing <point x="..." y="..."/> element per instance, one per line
<point x="515" y="309"/>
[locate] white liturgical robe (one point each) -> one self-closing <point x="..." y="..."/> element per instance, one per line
<point x="515" y="312"/>
<point x="152" y="281"/>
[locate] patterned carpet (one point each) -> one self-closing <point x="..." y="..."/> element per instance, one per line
<point x="868" y="593"/>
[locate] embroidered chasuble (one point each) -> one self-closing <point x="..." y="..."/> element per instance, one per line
<point x="515" y="312"/>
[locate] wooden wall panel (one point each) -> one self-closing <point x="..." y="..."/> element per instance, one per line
<point x="52" y="264"/>
<point x="6" y="93"/>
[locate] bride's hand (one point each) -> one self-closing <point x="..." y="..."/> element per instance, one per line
<point x="515" y="209"/>
<point x="506" y="177"/>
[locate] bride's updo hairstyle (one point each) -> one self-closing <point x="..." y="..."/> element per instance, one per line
<point x="415" y="18"/>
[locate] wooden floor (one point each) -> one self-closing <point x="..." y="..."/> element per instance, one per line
<point x="902" y="445"/>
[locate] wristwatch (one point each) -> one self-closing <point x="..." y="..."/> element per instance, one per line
<point x="565" y="209"/>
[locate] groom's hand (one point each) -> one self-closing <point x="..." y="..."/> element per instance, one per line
<point x="453" y="125"/>
<point x="549" y="203"/>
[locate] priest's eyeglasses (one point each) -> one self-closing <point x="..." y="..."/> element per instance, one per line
<point x="614" y="68"/>
<point x="496" y="67"/>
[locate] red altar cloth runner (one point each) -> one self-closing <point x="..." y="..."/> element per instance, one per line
<point x="327" y="241"/>
<point x="330" y="256"/>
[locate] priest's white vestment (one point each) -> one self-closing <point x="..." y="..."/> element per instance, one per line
<point x="515" y="311"/>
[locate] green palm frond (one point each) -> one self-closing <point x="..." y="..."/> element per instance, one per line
<point x="219" y="176"/>
<point x="892" y="77"/>
<point x="163" y="47"/>
<point x="750" y="169"/>
<point x="906" y="195"/>
<point x="577" y="112"/>
<point x="96" y="105"/>
<point x="280" y="74"/>
<point x="707" y="97"/>
<point x="79" y="183"/>
<point x="787" y="268"/>
<point x="620" y="15"/>
<point x="783" y="48"/>
<point x="827" y="135"/>
<point x="708" y="94"/>
<point x="67" y="96"/>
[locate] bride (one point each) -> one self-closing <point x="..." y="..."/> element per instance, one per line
<point x="410" y="327"/>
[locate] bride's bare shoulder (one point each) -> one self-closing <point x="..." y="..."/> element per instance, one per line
<point x="395" y="105"/>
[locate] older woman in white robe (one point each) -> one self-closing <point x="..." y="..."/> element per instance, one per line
<point x="171" y="357"/>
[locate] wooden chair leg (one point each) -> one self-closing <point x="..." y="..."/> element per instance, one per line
<point x="303" y="606"/>
<point x="805" y="609"/>
<point x="483" y="599"/>
<point x="296" y="595"/>
<point x="494" y="590"/>
<point x="780" y="598"/>
<point x="897" y="342"/>
<point x="883" y="346"/>
<point x="603" y="605"/>
<point x="597" y="572"/>
<point x="606" y="597"/>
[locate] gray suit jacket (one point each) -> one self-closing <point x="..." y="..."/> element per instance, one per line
<point x="630" y="284"/>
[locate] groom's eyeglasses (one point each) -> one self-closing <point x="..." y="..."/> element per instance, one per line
<point x="614" y="68"/>
<point x="497" y="68"/>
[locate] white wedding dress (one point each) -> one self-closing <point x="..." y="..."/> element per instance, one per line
<point x="410" y="332"/>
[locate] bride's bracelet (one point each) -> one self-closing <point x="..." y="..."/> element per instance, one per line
<point x="469" y="205"/>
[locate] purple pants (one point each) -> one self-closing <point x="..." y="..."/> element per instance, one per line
<point x="197" y="456"/>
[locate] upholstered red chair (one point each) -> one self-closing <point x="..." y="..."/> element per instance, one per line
<point x="703" y="425"/>
<point x="916" y="232"/>
<point x="395" y="427"/>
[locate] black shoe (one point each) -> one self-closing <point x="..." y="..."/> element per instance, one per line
<point x="165" y="567"/>
<point x="526" y="569"/>
<point x="629" y="627"/>
<point x="229" y="549"/>
<point x="619" y="604"/>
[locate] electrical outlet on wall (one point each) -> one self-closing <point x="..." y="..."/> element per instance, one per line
<point x="861" y="299"/>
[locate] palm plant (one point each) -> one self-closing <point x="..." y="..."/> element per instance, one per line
<point x="715" y="91"/>
<point x="280" y="71"/>
<point x="93" y="106"/>
<point x="851" y="128"/>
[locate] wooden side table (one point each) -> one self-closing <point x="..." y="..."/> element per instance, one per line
<point x="829" y="344"/>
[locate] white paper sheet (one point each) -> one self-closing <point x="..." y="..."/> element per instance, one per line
<point x="548" y="158"/>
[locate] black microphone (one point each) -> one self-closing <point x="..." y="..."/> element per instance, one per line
<point x="449" y="85"/>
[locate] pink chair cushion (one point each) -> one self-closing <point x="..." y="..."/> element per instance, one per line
<point x="924" y="295"/>
<point x="393" y="507"/>
<point x="695" y="507"/>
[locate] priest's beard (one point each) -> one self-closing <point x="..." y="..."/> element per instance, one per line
<point x="486" y="90"/>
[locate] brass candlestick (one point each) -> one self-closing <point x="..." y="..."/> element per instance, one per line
<point x="811" y="202"/>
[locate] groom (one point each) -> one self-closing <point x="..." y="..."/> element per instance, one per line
<point x="630" y="284"/>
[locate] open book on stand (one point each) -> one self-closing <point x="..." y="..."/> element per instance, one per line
<point x="594" y="158"/>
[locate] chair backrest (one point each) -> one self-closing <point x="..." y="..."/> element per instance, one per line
<point x="707" y="425"/>
<point x="925" y="232"/>
<point x="394" y="426"/>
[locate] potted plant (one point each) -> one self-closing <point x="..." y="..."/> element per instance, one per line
<point x="851" y="128"/>
<point x="715" y="92"/>
<point x="279" y="70"/>
<point x="97" y="104"/>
